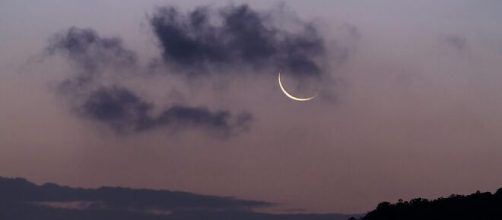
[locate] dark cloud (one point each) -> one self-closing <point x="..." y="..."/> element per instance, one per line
<point x="124" y="111"/>
<point x="222" y="121"/>
<point x="117" y="106"/>
<point x="90" y="52"/>
<point x="234" y="36"/>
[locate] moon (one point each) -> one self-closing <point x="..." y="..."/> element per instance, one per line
<point x="291" y="96"/>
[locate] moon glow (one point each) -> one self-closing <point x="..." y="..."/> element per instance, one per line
<point x="291" y="96"/>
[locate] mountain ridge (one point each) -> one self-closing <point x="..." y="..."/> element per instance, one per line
<point x="21" y="199"/>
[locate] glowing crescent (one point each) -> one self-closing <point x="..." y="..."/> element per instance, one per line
<point x="291" y="96"/>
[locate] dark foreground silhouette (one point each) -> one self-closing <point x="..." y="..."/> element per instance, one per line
<point x="23" y="200"/>
<point x="477" y="206"/>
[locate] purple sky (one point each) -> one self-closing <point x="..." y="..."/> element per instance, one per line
<point x="410" y="102"/>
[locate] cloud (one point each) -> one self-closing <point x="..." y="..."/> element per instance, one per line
<point x="118" y="106"/>
<point x="221" y="120"/>
<point x="90" y="52"/>
<point x="124" y="111"/>
<point x="203" y="41"/>
<point x="237" y="35"/>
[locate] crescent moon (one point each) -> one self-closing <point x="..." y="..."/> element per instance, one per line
<point x="291" y="96"/>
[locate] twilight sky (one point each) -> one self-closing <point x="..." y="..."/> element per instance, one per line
<point x="182" y="95"/>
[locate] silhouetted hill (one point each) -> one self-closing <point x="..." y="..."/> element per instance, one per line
<point x="21" y="190"/>
<point x="23" y="200"/>
<point x="477" y="206"/>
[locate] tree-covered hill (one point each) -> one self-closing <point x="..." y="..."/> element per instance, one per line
<point x="477" y="206"/>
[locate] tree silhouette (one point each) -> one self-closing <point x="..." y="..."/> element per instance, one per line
<point x="477" y="206"/>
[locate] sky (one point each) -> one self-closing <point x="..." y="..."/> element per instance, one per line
<point x="183" y="95"/>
